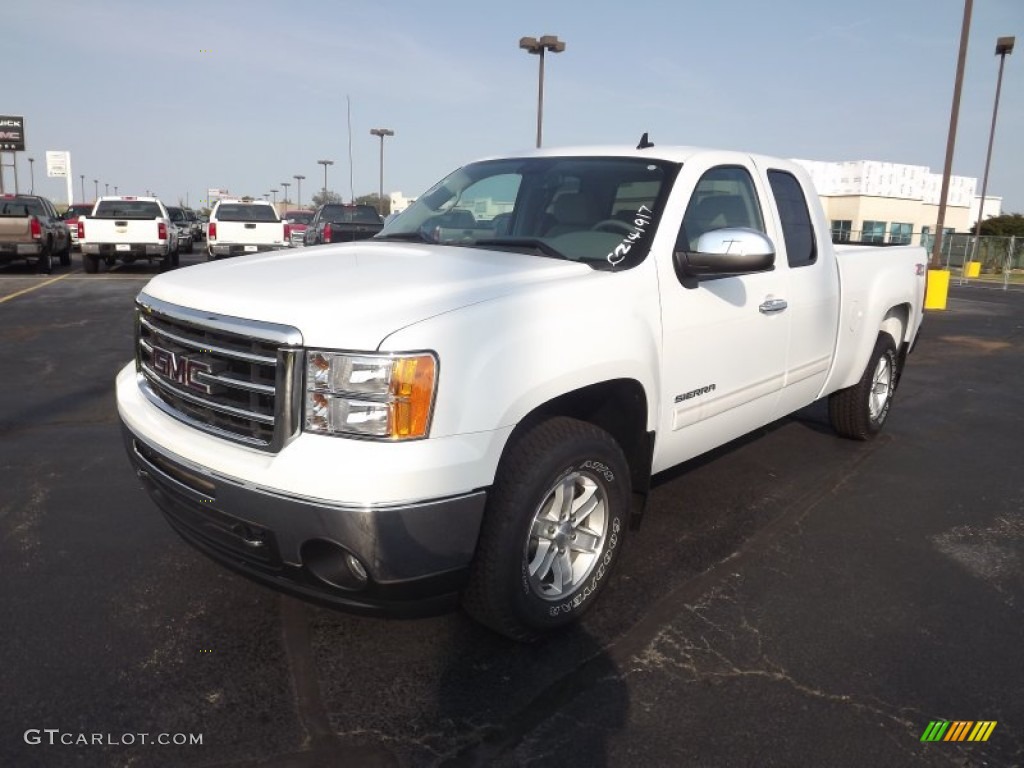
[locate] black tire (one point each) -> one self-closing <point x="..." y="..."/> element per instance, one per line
<point x="44" y="264"/>
<point x="65" y="255"/>
<point x="91" y="263"/>
<point x="860" y="411"/>
<point x="514" y="583"/>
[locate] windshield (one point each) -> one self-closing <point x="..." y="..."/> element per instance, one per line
<point x="599" y="210"/>
<point x="299" y="217"/>
<point x="176" y="214"/>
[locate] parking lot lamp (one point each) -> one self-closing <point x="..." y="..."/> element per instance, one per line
<point x="535" y="46"/>
<point x="298" y="178"/>
<point x="32" y="175"/>
<point x="285" y="184"/>
<point x="325" y="163"/>
<point x="106" y="188"/>
<point x="1004" y="46"/>
<point x="382" y="132"/>
<point x="954" y="116"/>
<point x="96" y="186"/>
<point x="274" y="193"/>
<point x="82" y="177"/>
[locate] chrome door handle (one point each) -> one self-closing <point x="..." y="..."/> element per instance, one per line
<point x="768" y="306"/>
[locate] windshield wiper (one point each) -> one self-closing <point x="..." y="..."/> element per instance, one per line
<point x="530" y="244"/>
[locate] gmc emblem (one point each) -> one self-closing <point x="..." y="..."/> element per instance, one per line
<point x="181" y="369"/>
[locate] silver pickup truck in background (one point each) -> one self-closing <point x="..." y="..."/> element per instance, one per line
<point x="31" y="229"/>
<point x="127" y="229"/>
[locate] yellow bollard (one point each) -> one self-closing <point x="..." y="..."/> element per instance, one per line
<point x="938" y="289"/>
<point x="973" y="269"/>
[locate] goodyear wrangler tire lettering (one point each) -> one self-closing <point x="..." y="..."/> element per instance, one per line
<point x="552" y="531"/>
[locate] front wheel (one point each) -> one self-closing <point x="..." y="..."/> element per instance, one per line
<point x="554" y="525"/>
<point x="65" y="255"/>
<point x="859" y="411"/>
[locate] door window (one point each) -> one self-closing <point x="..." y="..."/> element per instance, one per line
<point x="723" y="198"/>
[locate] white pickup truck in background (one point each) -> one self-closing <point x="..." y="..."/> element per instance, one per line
<point x="470" y="405"/>
<point x="238" y="227"/>
<point x="126" y="228"/>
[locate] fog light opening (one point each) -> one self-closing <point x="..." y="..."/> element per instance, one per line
<point x="333" y="565"/>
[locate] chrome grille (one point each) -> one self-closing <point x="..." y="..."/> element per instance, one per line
<point x="234" y="378"/>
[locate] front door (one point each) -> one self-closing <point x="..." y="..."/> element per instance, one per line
<point x="724" y="338"/>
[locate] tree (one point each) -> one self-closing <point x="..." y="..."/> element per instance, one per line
<point x="332" y="197"/>
<point x="374" y="200"/>
<point x="1003" y="226"/>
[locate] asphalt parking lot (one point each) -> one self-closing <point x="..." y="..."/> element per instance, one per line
<point x="791" y="599"/>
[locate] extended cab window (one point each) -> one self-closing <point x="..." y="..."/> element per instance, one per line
<point x="723" y="198"/>
<point x="797" y="231"/>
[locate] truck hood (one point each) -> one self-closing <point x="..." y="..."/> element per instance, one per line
<point x="353" y="295"/>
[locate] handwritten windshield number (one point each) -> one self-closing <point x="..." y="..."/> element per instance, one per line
<point x="640" y="224"/>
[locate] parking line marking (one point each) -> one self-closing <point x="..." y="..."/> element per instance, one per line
<point x="35" y="287"/>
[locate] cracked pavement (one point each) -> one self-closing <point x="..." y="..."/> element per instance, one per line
<point x="791" y="599"/>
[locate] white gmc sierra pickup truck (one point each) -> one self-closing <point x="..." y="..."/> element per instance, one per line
<point x="127" y="228"/>
<point x="470" y="405"/>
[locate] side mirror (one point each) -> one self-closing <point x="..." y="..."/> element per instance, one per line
<point x="732" y="251"/>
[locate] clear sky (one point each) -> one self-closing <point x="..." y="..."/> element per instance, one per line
<point x="178" y="97"/>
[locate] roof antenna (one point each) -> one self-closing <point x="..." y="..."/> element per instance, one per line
<point x="644" y="142"/>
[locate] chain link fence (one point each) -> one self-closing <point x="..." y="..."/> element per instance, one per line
<point x="988" y="258"/>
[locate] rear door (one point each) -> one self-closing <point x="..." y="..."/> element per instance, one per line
<point x="813" y="290"/>
<point x="724" y="337"/>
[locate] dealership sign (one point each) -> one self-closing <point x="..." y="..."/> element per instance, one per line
<point x="57" y="164"/>
<point x="12" y="133"/>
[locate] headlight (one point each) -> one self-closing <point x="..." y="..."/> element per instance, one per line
<point x="382" y="396"/>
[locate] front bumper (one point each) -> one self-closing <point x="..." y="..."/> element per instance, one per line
<point x="415" y="556"/>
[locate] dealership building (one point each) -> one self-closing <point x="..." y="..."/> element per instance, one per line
<point x="881" y="202"/>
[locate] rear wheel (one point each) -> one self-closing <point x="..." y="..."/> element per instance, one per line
<point x="45" y="262"/>
<point x="554" y="525"/>
<point x="65" y="255"/>
<point x="91" y="262"/>
<point x="859" y="411"/>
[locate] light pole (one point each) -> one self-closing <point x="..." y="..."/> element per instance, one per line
<point x="96" y="186"/>
<point x="533" y="45"/>
<point x="325" y="163"/>
<point x="298" y="178"/>
<point x="382" y="132"/>
<point x="82" y="177"/>
<point x="954" y="115"/>
<point x="32" y="175"/>
<point x="106" y="188"/>
<point x="1004" y="46"/>
<point x="285" y="184"/>
<point x="115" y="189"/>
<point x="274" y="193"/>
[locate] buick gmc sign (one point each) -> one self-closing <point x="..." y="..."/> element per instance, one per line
<point x="12" y="133"/>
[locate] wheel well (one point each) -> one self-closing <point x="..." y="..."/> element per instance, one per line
<point x="619" y="407"/>
<point x="896" y="322"/>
